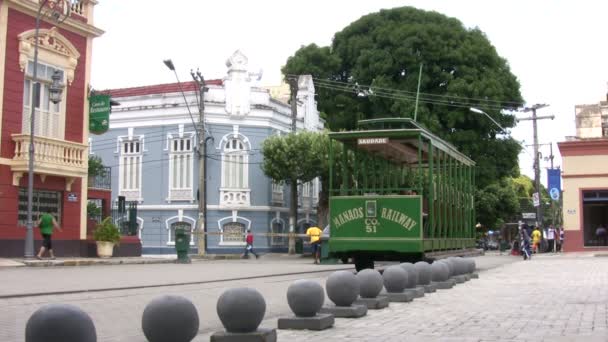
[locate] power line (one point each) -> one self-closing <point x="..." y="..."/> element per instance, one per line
<point x="413" y="94"/>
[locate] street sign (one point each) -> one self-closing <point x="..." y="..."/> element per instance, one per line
<point x="554" y="192"/>
<point x="536" y="199"/>
<point x="99" y="113"/>
<point x="528" y="216"/>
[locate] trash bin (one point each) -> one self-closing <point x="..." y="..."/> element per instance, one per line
<point x="182" y="244"/>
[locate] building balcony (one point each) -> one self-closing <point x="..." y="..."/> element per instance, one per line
<point x="52" y="157"/>
<point x="102" y="181"/>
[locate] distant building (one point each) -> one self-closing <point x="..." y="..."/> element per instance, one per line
<point x="585" y="179"/>
<point x="152" y="148"/>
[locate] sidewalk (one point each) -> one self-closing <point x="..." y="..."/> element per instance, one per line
<point x="145" y="259"/>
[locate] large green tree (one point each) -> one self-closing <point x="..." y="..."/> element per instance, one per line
<point x="291" y="159"/>
<point x="460" y="69"/>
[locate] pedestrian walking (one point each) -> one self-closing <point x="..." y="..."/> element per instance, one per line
<point x="536" y="237"/>
<point x="600" y="234"/>
<point x="249" y="245"/>
<point x="561" y="239"/>
<point x="315" y="242"/>
<point x="47" y="223"/>
<point x="525" y="243"/>
<point x="551" y="238"/>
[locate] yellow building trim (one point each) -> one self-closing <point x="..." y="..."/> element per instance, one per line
<point x="3" y="33"/>
<point x="84" y="188"/>
<point x="76" y="26"/>
<point x="581" y="165"/>
<point x="85" y="138"/>
<point x="6" y="161"/>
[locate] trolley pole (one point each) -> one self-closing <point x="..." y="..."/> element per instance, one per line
<point x="534" y="118"/>
<point x="202" y="148"/>
<point x="293" y="208"/>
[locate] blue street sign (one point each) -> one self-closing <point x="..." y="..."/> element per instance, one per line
<point x="554" y="183"/>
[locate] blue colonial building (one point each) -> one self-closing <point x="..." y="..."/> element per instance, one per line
<point x="152" y="150"/>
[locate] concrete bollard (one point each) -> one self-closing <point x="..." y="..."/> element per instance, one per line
<point x="471" y="267"/>
<point x="395" y="279"/>
<point x="305" y="298"/>
<point x="425" y="275"/>
<point x="60" y="323"/>
<point x="441" y="275"/>
<point x="343" y="288"/>
<point x="412" y="280"/>
<point x="170" y="319"/>
<point x="241" y="311"/>
<point x="371" y="283"/>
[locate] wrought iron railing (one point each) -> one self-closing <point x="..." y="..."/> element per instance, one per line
<point x="124" y="216"/>
<point x="102" y="180"/>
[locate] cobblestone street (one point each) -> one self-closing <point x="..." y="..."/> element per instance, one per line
<point x="551" y="298"/>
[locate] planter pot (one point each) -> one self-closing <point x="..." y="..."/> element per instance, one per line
<point x="105" y="249"/>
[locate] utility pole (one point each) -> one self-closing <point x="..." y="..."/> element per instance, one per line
<point x="293" y="208"/>
<point x="202" y="159"/>
<point x="534" y="118"/>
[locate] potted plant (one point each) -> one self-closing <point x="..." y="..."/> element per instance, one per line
<point x="96" y="168"/>
<point x="106" y="235"/>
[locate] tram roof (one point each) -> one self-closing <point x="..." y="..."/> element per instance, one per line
<point x="402" y="142"/>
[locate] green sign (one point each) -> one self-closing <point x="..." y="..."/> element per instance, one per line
<point x="390" y="223"/>
<point x="99" y="113"/>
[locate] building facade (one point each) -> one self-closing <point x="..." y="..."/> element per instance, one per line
<point x="61" y="130"/>
<point x="152" y="149"/>
<point x="585" y="179"/>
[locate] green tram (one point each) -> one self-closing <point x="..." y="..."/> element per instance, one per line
<point x="398" y="192"/>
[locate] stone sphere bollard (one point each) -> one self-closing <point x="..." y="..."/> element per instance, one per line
<point x="412" y="274"/>
<point x="395" y="279"/>
<point x="425" y="274"/>
<point x="440" y="271"/>
<point x="241" y="310"/>
<point x="305" y="298"/>
<point x="470" y="265"/>
<point x="461" y="267"/>
<point x="342" y="288"/>
<point x="60" y="323"/>
<point x="448" y="264"/>
<point x="170" y="319"/>
<point x="371" y="283"/>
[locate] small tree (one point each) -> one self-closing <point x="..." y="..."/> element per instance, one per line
<point x="96" y="167"/>
<point x="292" y="158"/>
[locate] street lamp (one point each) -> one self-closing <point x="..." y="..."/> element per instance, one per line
<point x="58" y="11"/>
<point x="479" y="111"/>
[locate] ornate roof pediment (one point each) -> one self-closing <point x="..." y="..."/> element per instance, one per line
<point x="65" y="54"/>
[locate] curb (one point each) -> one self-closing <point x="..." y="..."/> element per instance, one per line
<point x="52" y="263"/>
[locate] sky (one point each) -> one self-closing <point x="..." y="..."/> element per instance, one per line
<point x="557" y="49"/>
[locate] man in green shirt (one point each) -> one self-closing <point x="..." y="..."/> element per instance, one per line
<point x="46" y="223"/>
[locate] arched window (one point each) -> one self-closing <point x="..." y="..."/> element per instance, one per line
<point x="234" y="191"/>
<point x="233" y="232"/>
<point x="234" y="165"/>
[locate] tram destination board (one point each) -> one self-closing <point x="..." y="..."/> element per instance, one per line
<point x="391" y="222"/>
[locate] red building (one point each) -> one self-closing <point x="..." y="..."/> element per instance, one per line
<point x="61" y="132"/>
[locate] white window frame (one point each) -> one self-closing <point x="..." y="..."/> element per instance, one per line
<point x="133" y="190"/>
<point x="170" y="229"/>
<point x="181" y="167"/>
<point x="233" y="219"/>
<point x="235" y="168"/>
<point x="234" y="178"/>
<point x="277" y="191"/>
<point x="50" y="117"/>
<point x="278" y="241"/>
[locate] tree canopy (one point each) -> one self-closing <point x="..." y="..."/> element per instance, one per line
<point x="371" y="70"/>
